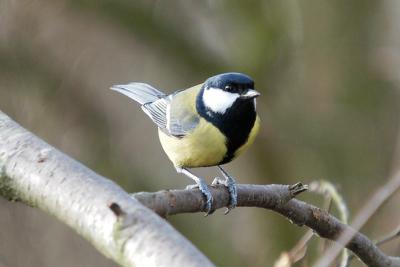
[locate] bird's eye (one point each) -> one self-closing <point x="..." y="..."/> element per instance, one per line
<point x="228" y="88"/>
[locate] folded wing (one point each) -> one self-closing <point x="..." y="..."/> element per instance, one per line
<point x="171" y="114"/>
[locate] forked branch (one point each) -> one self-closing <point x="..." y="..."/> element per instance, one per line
<point x="273" y="197"/>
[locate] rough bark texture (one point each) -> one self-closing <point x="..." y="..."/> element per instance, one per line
<point x="35" y="173"/>
<point x="272" y="197"/>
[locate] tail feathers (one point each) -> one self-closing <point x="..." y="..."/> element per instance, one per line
<point x="140" y="92"/>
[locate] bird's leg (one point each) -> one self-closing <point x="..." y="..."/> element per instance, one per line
<point x="230" y="183"/>
<point x="202" y="185"/>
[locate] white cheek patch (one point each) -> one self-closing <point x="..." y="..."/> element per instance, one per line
<point x="218" y="100"/>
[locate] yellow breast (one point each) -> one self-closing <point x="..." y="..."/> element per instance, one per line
<point x="205" y="146"/>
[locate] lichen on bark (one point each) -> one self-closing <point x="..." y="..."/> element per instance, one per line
<point x="6" y="190"/>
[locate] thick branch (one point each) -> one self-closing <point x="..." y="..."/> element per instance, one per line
<point x="37" y="174"/>
<point x="273" y="197"/>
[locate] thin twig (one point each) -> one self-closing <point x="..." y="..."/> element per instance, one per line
<point x="327" y="189"/>
<point x="393" y="235"/>
<point x="380" y="196"/>
<point x="297" y="253"/>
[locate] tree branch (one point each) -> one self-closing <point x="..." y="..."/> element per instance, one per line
<point x="123" y="229"/>
<point x="170" y="202"/>
<point x="35" y="173"/>
<point x="272" y="197"/>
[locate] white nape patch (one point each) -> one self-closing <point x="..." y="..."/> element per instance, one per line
<point x="218" y="100"/>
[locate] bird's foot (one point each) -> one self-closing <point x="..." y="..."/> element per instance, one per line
<point x="202" y="186"/>
<point x="230" y="183"/>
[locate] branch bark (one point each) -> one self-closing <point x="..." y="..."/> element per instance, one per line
<point x="35" y="173"/>
<point x="272" y="197"/>
<point x="171" y="202"/>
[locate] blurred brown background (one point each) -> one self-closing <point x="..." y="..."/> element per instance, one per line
<point x="328" y="73"/>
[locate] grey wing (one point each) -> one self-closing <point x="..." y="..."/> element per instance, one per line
<point x="157" y="111"/>
<point x="174" y="121"/>
<point x="140" y="92"/>
<point x="180" y="125"/>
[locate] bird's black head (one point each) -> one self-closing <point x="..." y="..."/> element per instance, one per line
<point x="228" y="101"/>
<point x="224" y="91"/>
<point x="232" y="82"/>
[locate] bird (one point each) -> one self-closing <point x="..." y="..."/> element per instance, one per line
<point x="209" y="124"/>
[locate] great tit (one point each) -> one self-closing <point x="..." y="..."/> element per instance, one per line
<point x="209" y="124"/>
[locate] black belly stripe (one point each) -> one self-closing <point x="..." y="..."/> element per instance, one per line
<point x="236" y="124"/>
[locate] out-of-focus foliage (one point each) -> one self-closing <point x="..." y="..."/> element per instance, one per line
<point x="328" y="110"/>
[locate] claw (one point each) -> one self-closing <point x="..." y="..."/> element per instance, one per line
<point x="202" y="186"/>
<point x="230" y="183"/>
<point x="209" y="199"/>
<point x="204" y="190"/>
